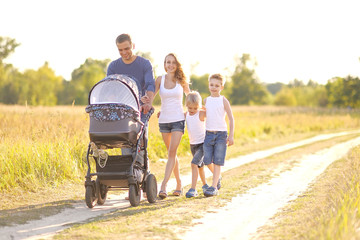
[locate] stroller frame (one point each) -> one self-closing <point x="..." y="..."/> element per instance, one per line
<point x="121" y="171"/>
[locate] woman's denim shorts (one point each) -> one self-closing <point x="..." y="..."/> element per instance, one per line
<point x="172" y="127"/>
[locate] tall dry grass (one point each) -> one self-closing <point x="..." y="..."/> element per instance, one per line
<point x="45" y="146"/>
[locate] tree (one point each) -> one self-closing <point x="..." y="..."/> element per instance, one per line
<point x="246" y="87"/>
<point x="274" y="88"/>
<point x="344" y="92"/>
<point x="200" y="84"/>
<point x="285" y="97"/>
<point x="10" y="84"/>
<point x="7" y="72"/>
<point x="40" y="87"/>
<point x="296" y="83"/>
<point x="83" y="79"/>
<point x="7" y="47"/>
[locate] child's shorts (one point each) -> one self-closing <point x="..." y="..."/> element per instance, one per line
<point x="178" y="126"/>
<point x="197" y="151"/>
<point x="215" y="147"/>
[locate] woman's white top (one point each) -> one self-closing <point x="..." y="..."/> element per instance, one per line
<point x="171" y="103"/>
<point x="215" y="114"/>
<point x="196" y="128"/>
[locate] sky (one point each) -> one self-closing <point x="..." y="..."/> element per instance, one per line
<point x="289" y="39"/>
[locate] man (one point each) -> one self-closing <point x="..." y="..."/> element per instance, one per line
<point x="137" y="67"/>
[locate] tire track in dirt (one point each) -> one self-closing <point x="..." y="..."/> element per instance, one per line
<point x="241" y="217"/>
<point x="49" y="226"/>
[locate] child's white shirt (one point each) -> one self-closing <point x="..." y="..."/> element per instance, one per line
<point x="215" y="114"/>
<point x="195" y="127"/>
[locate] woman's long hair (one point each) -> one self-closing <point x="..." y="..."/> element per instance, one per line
<point x="179" y="73"/>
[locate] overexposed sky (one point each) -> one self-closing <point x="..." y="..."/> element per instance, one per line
<point x="305" y="39"/>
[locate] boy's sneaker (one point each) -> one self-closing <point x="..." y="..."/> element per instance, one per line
<point x="204" y="188"/>
<point x="191" y="193"/>
<point x="219" y="183"/>
<point x="211" y="191"/>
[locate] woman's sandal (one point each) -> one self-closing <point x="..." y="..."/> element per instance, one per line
<point x="178" y="192"/>
<point x="162" y="194"/>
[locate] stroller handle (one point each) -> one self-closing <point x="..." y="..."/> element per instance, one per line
<point x="148" y="114"/>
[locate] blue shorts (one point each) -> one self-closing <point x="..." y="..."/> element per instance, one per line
<point x="197" y="150"/>
<point x="215" y="147"/>
<point x="178" y="126"/>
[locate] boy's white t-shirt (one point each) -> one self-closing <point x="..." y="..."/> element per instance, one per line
<point x="215" y="114"/>
<point x="196" y="128"/>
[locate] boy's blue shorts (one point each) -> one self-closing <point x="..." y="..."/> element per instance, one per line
<point x="197" y="151"/>
<point x="215" y="147"/>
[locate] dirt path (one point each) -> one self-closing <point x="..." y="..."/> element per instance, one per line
<point x="49" y="226"/>
<point x="241" y="218"/>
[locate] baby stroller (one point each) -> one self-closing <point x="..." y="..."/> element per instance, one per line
<point x="115" y="123"/>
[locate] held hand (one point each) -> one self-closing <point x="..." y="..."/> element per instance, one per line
<point x="145" y="108"/>
<point x="230" y="141"/>
<point x="145" y="99"/>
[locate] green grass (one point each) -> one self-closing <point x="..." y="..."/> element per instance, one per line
<point x="170" y="218"/>
<point x="328" y="210"/>
<point x="46" y="146"/>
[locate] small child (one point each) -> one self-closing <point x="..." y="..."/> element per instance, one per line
<point x="216" y="137"/>
<point x="196" y="128"/>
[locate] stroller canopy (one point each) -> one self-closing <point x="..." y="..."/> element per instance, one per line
<point x="116" y="88"/>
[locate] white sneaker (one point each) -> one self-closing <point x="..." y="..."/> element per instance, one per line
<point x="100" y="154"/>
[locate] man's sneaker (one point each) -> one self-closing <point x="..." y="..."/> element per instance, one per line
<point x="211" y="191"/>
<point x="204" y="188"/>
<point x="191" y="193"/>
<point x="219" y="183"/>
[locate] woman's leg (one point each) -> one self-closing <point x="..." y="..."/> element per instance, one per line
<point x="172" y="141"/>
<point x="177" y="173"/>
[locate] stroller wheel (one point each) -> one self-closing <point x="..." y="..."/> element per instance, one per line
<point x="90" y="197"/>
<point x="101" y="192"/>
<point x="134" y="195"/>
<point x="151" y="188"/>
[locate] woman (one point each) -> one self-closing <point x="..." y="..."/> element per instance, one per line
<point x="171" y="88"/>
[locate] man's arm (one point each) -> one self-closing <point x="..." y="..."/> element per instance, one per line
<point x="149" y="98"/>
<point x="149" y="87"/>
<point x="110" y="70"/>
<point x="149" y="77"/>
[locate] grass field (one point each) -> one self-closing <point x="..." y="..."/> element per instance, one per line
<point x="328" y="210"/>
<point x="170" y="218"/>
<point x="43" y="149"/>
<point x="46" y="146"/>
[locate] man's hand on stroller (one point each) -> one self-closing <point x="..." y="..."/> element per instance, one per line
<point x="147" y="101"/>
<point x="145" y="108"/>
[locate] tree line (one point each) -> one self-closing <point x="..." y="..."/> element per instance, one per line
<point x="243" y="87"/>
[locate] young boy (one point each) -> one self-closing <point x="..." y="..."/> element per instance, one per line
<point x="196" y="128"/>
<point x="216" y="138"/>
